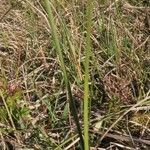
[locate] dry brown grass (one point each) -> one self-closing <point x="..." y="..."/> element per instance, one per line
<point x="121" y="58"/>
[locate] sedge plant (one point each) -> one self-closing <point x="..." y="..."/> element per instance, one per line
<point x="63" y="67"/>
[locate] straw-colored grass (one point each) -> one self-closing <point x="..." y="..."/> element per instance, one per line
<point x="74" y="74"/>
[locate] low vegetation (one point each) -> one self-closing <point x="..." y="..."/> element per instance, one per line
<point x="74" y="74"/>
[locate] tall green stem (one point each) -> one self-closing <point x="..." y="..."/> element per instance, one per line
<point x="58" y="49"/>
<point x="86" y="80"/>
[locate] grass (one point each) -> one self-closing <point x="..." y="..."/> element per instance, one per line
<point x="68" y="88"/>
<point x="74" y="74"/>
<point x="88" y="48"/>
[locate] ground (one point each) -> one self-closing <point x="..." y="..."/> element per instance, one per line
<point x="34" y="105"/>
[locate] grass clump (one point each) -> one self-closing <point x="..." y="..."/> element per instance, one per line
<point x="74" y="74"/>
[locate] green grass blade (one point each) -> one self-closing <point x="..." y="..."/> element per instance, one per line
<point x="86" y="80"/>
<point x="57" y="44"/>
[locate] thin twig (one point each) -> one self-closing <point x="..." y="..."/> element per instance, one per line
<point x="122" y="137"/>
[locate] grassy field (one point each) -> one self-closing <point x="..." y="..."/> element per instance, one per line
<point x="74" y="74"/>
